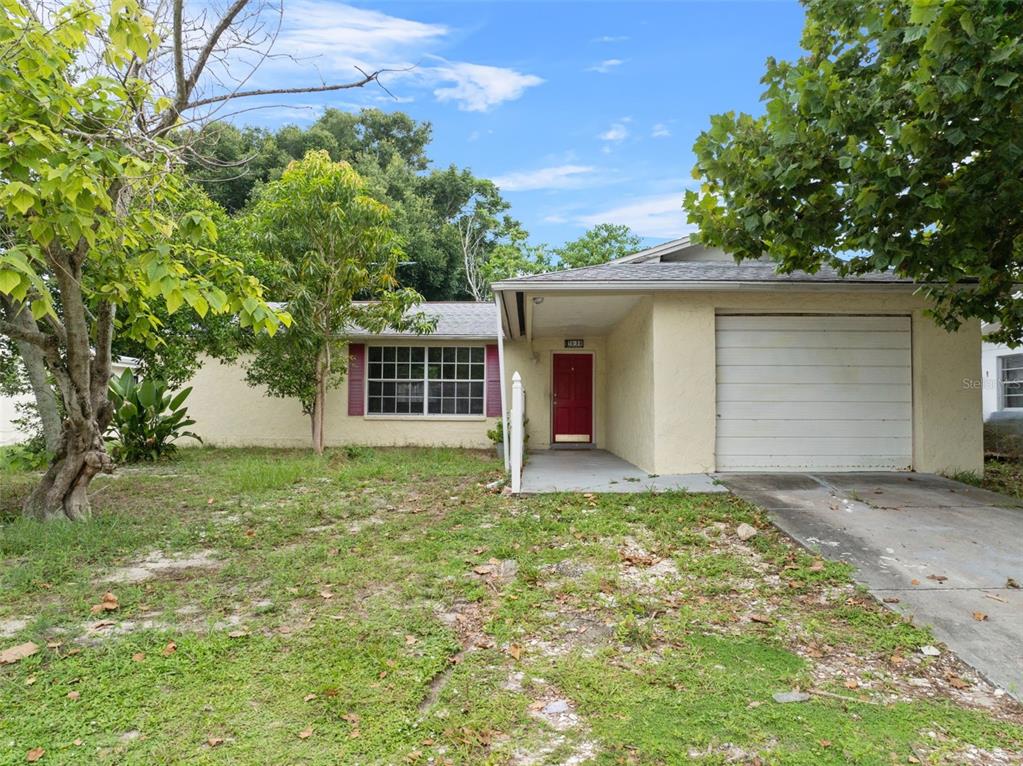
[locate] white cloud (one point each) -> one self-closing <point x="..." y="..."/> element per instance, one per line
<point x="660" y="130"/>
<point x="617" y="132"/>
<point x="610" y="39"/>
<point x="605" y="66"/>
<point x="329" y="40"/>
<point x="555" y="218"/>
<point x="558" y="177"/>
<point x="478" y="87"/>
<point x="656" y="216"/>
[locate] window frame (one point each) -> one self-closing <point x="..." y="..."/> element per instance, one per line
<point x="425" y="380"/>
<point x="1002" y="369"/>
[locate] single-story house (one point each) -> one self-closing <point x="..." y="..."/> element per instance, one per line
<point x="1002" y="376"/>
<point x="681" y="361"/>
<point x="675" y="359"/>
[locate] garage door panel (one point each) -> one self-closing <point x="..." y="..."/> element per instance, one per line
<point x="811" y="392"/>
<point x="814" y="463"/>
<point x="806" y="374"/>
<point x="834" y="446"/>
<point x="811" y="410"/>
<point x="814" y="393"/>
<point x="815" y="339"/>
<point x="828" y="357"/>
<point x="833" y="428"/>
<point x="801" y="322"/>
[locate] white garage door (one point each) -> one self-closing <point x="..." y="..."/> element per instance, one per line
<point x="819" y="392"/>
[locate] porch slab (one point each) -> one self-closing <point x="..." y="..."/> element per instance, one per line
<point x="599" y="471"/>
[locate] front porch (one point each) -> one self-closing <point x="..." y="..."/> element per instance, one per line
<point x="595" y="470"/>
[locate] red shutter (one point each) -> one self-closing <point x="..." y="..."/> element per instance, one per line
<point x="493" y="383"/>
<point x="356" y="378"/>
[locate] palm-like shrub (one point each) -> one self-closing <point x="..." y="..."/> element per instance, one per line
<point x="148" y="418"/>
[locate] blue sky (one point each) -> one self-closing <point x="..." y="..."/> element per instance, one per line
<point x="584" y="112"/>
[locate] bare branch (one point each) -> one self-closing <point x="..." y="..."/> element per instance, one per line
<point x="364" y="80"/>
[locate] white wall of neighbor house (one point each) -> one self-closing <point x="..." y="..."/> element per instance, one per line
<point x="229" y="412"/>
<point x="659" y="369"/>
<point x="990" y="354"/>
<point x="9" y="433"/>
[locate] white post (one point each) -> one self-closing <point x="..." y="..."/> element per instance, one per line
<point x="515" y="437"/>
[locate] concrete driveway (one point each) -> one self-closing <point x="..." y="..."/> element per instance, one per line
<point x="946" y="550"/>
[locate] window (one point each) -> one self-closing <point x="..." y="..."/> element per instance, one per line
<point x="1010" y="381"/>
<point x="418" y="380"/>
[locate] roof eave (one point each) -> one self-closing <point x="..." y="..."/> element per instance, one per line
<point x="694" y="285"/>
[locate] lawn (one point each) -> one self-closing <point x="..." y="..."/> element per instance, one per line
<point x="386" y="607"/>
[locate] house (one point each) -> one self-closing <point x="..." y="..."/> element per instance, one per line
<point x="1002" y="380"/>
<point x="680" y="361"/>
<point x="441" y="389"/>
<point x="675" y="359"/>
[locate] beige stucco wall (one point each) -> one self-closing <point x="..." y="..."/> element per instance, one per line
<point x="533" y="360"/>
<point x="665" y="421"/>
<point x="630" y="386"/>
<point x="229" y="412"/>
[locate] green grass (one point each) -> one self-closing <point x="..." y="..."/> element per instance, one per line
<point x="1000" y="475"/>
<point x="352" y="578"/>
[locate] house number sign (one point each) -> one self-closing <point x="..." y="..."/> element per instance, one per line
<point x="573" y="343"/>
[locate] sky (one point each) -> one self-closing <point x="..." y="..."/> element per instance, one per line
<point x="582" y="112"/>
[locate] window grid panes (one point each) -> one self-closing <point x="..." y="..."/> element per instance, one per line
<point x="417" y="380"/>
<point x="1010" y="381"/>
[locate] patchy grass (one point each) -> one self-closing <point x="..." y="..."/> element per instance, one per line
<point x="1000" y="475"/>
<point x="381" y="606"/>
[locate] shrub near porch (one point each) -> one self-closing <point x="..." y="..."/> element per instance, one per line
<point x="381" y="606"/>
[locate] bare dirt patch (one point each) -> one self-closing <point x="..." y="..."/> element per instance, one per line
<point x="159" y="564"/>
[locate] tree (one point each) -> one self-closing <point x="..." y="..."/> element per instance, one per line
<point x="481" y="227"/>
<point x="895" y="142"/>
<point x="332" y="245"/>
<point x="604" y="242"/>
<point x="85" y="177"/>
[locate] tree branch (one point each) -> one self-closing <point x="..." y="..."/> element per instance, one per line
<point x="364" y="80"/>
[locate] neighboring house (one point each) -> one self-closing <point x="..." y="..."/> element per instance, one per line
<point x="441" y="389"/>
<point x="681" y="361"/>
<point x="1002" y="380"/>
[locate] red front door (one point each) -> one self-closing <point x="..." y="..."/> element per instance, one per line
<point x="573" y="398"/>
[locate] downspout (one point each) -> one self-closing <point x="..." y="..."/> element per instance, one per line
<point x="500" y="364"/>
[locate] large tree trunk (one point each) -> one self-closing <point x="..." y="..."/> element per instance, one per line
<point x="46" y="398"/>
<point x="63" y="491"/>
<point x="83" y="375"/>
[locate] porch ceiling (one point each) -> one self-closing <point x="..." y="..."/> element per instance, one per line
<point x="558" y="315"/>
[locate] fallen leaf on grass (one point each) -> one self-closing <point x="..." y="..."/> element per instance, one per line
<point x="762" y="619"/>
<point x="138" y="657"/>
<point x="306" y="733"/>
<point x="891" y="600"/>
<point x="309" y="698"/>
<point x="238" y="634"/>
<point x="937" y="578"/>
<point x="107" y="604"/>
<point x="817" y="566"/>
<point x="914" y="581"/>
<point x="30" y="681"/>
<point x="169" y="649"/>
<point x="958" y="683"/>
<point x="34" y="754"/>
<point x="979" y="616"/>
<point x="326" y="595"/>
<point x="214" y="741"/>
<point x="73" y="696"/>
<point x="514" y="651"/>
<point x="19" y="652"/>
<point x="410" y="640"/>
<point x="852" y="683"/>
<point x="99" y="625"/>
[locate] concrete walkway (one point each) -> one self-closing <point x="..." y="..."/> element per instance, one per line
<point x="593" y="470"/>
<point x="945" y="550"/>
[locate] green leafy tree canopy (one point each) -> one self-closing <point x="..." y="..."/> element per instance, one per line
<point x="895" y="142"/>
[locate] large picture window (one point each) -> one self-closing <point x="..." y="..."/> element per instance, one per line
<point x="1010" y="381"/>
<point x="426" y="380"/>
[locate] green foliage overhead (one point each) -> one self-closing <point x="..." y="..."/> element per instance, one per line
<point x="895" y="142"/>
<point x="604" y="242"/>
<point x="148" y="418"/>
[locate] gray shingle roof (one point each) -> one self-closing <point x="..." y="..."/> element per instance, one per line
<point x="695" y="271"/>
<point x="457" y="319"/>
